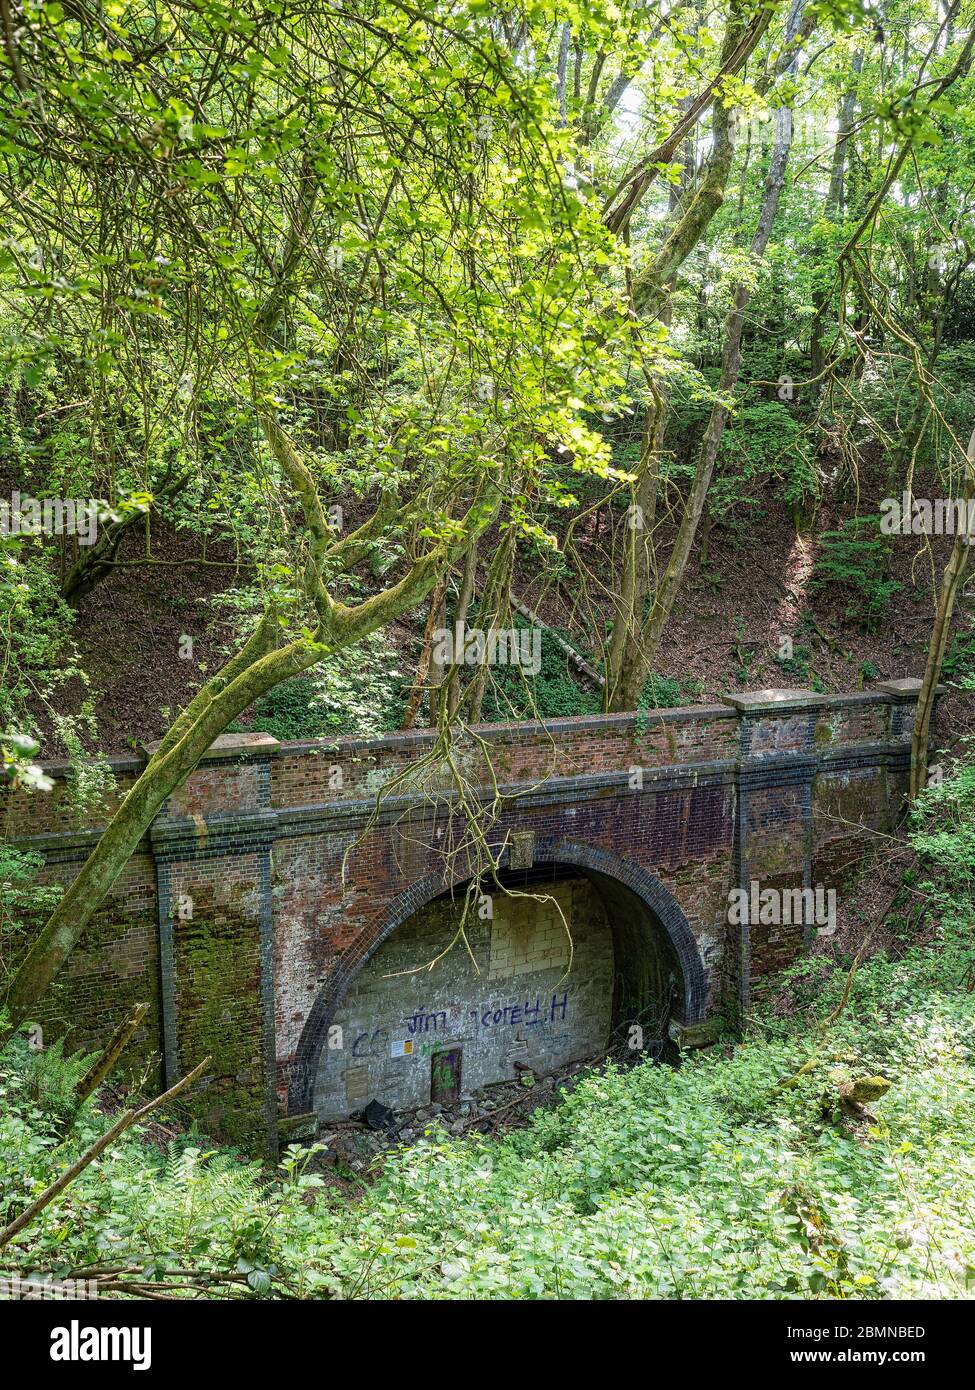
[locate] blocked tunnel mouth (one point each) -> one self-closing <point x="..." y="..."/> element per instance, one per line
<point x="647" y="983"/>
<point x="619" y="994"/>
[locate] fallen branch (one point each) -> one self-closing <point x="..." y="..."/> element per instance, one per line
<point x="130" y="1117"/>
<point x="99" y="1069"/>
<point x="491" y="1119"/>
<point x="832" y="1017"/>
<point x="854" y="1095"/>
<point x="832" y="642"/>
<point x="168" y="1284"/>
<point x="578" y="661"/>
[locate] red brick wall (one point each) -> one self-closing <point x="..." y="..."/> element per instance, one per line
<point x="699" y="801"/>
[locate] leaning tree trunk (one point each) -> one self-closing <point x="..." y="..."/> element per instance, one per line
<point x="261" y="665"/>
<point x="655" y="286"/>
<point x="950" y="584"/>
<point x="640" y="654"/>
<point x="256" y="669"/>
<point x="97" y="562"/>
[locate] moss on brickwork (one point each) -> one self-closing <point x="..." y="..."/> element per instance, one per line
<point x="828" y="729"/>
<point x="115" y="966"/>
<point x="771" y="855"/>
<point x="852" y="800"/>
<point x="218" y="993"/>
<point x="680" y="828"/>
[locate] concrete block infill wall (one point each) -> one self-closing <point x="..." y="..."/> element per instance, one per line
<point x="279" y="870"/>
<point x="512" y="998"/>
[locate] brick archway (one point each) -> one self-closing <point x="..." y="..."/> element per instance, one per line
<point x="664" y="813"/>
<point x="661" y="908"/>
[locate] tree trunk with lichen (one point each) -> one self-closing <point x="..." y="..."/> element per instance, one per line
<point x="951" y="582"/>
<point x="262" y="664"/>
<point x="634" y="650"/>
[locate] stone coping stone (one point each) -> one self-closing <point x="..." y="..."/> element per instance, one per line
<point x="760" y="701"/>
<point x="230" y="746"/>
<point x="906" y="688"/>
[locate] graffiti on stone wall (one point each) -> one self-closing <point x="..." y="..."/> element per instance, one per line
<point x="375" y="1044"/>
<point x="525" y="1015"/>
<point x="515" y="1015"/>
<point x="423" y="1022"/>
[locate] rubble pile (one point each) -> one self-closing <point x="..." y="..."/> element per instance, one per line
<point x="354" y="1144"/>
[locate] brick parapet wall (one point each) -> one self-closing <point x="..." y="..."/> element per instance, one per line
<point x="280" y="776"/>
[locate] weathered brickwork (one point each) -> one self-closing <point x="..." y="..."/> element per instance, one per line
<point x="275" y="874"/>
<point x="24" y="814"/>
<point x="115" y="965"/>
<point x="212" y="989"/>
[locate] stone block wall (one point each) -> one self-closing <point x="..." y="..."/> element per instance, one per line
<point x="518" y="999"/>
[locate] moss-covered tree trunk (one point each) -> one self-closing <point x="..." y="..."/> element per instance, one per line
<point x="950" y="584"/>
<point x="263" y="663"/>
<point x="637" y="647"/>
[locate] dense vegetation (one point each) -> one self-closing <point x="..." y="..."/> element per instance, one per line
<point x="615" y="323"/>
<point x="709" y="1180"/>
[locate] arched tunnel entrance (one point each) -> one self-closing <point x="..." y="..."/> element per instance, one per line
<point x="421" y="1023"/>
